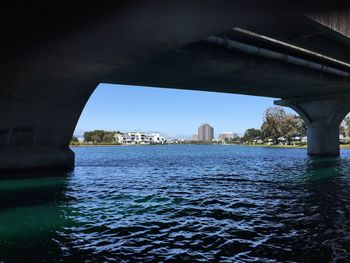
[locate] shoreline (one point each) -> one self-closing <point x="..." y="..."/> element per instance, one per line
<point x="276" y="146"/>
<point x="101" y="145"/>
<point x="342" y="146"/>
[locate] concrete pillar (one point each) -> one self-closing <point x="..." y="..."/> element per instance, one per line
<point x="322" y="117"/>
<point x="37" y="125"/>
<point x="322" y="140"/>
<point x="36" y="157"/>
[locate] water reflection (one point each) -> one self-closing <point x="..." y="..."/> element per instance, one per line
<point x="324" y="225"/>
<point x="32" y="189"/>
<point x="30" y="215"/>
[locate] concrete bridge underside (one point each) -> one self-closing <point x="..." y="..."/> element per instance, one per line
<point x="53" y="59"/>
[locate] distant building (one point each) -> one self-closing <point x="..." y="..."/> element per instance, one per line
<point x="205" y="133"/>
<point x="271" y="141"/>
<point x="140" y="138"/>
<point x="303" y="139"/>
<point x="342" y="139"/>
<point x="258" y="140"/>
<point x="174" y="141"/>
<point x="282" y="140"/>
<point x="299" y="138"/>
<point x="227" y="136"/>
<point x="195" y="137"/>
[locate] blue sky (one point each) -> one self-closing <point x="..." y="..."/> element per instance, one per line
<point x="173" y="113"/>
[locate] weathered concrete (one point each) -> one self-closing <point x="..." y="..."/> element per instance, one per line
<point x="53" y="57"/>
<point x="36" y="157"/>
<point x="322" y="140"/>
<point x="338" y="20"/>
<point x="322" y="117"/>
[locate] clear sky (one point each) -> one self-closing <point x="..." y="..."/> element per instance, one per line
<point x="173" y="113"/>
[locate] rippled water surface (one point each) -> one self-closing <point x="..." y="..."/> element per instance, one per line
<point x="181" y="203"/>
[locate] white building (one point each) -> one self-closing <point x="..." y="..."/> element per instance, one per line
<point x="227" y="135"/>
<point x="155" y="138"/>
<point x="342" y="139"/>
<point x="140" y="138"/>
<point x="282" y="140"/>
<point x="299" y="138"/>
<point x="258" y="140"/>
<point x="271" y="141"/>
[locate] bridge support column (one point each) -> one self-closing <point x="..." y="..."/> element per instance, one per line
<point x="322" y="139"/>
<point x="322" y="117"/>
<point x="36" y="157"/>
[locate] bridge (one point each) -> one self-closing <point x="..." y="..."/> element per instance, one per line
<point x="54" y="56"/>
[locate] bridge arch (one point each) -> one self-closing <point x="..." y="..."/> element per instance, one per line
<point x="54" y="57"/>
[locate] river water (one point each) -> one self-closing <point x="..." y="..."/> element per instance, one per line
<point x="189" y="203"/>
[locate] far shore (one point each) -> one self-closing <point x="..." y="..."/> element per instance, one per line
<point x="276" y="146"/>
<point x="101" y="145"/>
<point x="342" y="146"/>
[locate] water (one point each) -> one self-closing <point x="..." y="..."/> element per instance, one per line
<point x="181" y="203"/>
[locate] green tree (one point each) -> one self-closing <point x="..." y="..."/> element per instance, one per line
<point x="300" y="124"/>
<point x="342" y="130"/>
<point x="292" y="125"/>
<point x="277" y="123"/>
<point x="235" y="140"/>
<point x="95" y="138"/>
<point x="74" y="140"/>
<point x="100" y="136"/>
<point x="272" y="126"/>
<point x="109" y="137"/>
<point x="251" y="134"/>
<point x="344" y="127"/>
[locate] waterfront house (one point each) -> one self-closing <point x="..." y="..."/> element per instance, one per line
<point x="140" y="138"/>
<point x="342" y="139"/>
<point x="299" y="139"/>
<point x="282" y="141"/>
<point x="271" y="141"/>
<point x="226" y="136"/>
<point x="258" y="140"/>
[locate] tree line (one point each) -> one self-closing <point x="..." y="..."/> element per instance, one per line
<point x="98" y="137"/>
<point x="344" y="128"/>
<point x="278" y="123"/>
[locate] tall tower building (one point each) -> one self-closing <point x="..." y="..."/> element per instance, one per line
<point x="205" y="133"/>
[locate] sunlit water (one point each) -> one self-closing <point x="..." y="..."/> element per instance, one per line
<point x="181" y="203"/>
